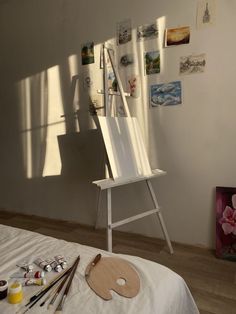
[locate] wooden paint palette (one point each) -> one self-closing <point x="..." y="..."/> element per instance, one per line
<point x="116" y="274"/>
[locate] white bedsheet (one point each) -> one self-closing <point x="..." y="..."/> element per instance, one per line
<point x="162" y="291"/>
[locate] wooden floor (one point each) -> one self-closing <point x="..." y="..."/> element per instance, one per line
<point x="211" y="281"/>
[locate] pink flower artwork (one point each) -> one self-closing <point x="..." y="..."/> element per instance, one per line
<point x="226" y="222"/>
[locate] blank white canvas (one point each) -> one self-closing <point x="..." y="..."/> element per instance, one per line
<point x="125" y="147"/>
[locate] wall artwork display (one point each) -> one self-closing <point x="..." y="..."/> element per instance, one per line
<point x="192" y="64"/>
<point x="134" y="87"/>
<point x="166" y="94"/>
<point x="124" y="32"/>
<point x="126" y="59"/>
<point x="147" y="31"/>
<point x="87" y="53"/>
<point x="206" y="13"/>
<point x="87" y="80"/>
<point x="226" y="223"/>
<point x="152" y="62"/>
<point x="177" y="36"/>
<point x="111" y="80"/>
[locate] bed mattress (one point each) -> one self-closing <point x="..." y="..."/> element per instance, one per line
<point x="162" y="291"/>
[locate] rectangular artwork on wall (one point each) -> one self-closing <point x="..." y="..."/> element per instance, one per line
<point x="192" y="64"/>
<point x="87" y="53"/>
<point x="226" y="223"/>
<point x="152" y="62"/>
<point x="206" y="13"/>
<point x="147" y="31"/>
<point x="177" y="36"/>
<point x="166" y="94"/>
<point x="124" y="32"/>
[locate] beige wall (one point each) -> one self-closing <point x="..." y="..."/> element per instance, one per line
<point x="193" y="142"/>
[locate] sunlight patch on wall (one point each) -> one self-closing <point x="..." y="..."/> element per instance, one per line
<point x="26" y="121"/>
<point x="162" y="26"/>
<point x="41" y="107"/>
<point x="32" y="93"/>
<point x="56" y="124"/>
<point x="75" y="79"/>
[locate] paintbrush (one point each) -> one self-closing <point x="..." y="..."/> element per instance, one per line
<point x="48" y="297"/>
<point x="48" y="287"/>
<point x="58" y="290"/>
<point x="92" y="265"/>
<point x="36" y="297"/>
<point x="44" y="292"/>
<point x="61" y="304"/>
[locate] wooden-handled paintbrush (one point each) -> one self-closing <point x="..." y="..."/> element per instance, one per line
<point x="48" y="287"/>
<point x="58" y="290"/>
<point x="92" y="265"/>
<point x="32" y="303"/>
<point x="61" y="304"/>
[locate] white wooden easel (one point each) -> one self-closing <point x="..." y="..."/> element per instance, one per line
<point x="108" y="184"/>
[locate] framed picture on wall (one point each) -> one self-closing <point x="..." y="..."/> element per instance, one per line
<point x="226" y="222"/>
<point x="147" y="31"/>
<point x="124" y="32"/>
<point x="177" y="36"/>
<point x="87" y="53"/>
<point x="206" y="13"/>
<point x="166" y="94"/>
<point x="192" y="64"/>
<point x="152" y="62"/>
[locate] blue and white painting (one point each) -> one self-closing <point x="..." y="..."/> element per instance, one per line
<point x="167" y="94"/>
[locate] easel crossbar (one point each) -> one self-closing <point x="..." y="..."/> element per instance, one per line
<point x="133" y="218"/>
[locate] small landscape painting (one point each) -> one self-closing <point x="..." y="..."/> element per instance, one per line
<point x="192" y="64"/>
<point x="177" y="36"/>
<point x="124" y="32"/>
<point x="147" y="31"/>
<point x="87" y="53"/>
<point x="167" y="94"/>
<point x="152" y="62"/>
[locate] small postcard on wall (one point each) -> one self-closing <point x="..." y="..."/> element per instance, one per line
<point x="177" y="36"/>
<point x="206" y="13"/>
<point x="111" y="80"/>
<point x="126" y="60"/>
<point x="192" y="64"/>
<point x="167" y="94"/>
<point x="147" y="31"/>
<point x="152" y="62"/>
<point x="124" y="32"/>
<point x="134" y="86"/>
<point x="87" y="53"/>
<point x="87" y="80"/>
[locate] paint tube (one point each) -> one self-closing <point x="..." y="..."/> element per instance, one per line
<point x="54" y="265"/>
<point x="26" y="266"/>
<point x="43" y="264"/>
<point x="37" y="274"/>
<point x="34" y="282"/>
<point x="61" y="260"/>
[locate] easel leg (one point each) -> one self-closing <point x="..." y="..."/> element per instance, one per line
<point x="159" y="215"/>
<point x="109" y="221"/>
<point x="98" y="208"/>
